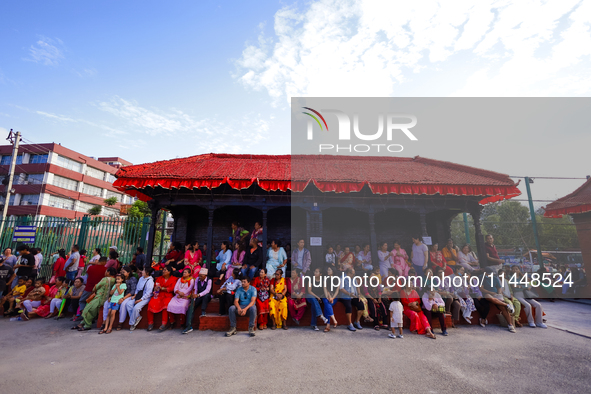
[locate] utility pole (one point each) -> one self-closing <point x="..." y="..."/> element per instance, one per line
<point x="14" y="140"/>
<point x="532" y="212"/>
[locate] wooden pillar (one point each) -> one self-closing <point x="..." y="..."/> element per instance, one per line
<point x="209" y="254"/>
<point x="423" y="218"/>
<point x="264" y="240"/>
<point x="154" y="208"/>
<point x="480" y="248"/>
<point x="373" y="241"/>
<point x="314" y="229"/>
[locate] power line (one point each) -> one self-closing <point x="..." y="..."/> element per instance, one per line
<point x="546" y="177"/>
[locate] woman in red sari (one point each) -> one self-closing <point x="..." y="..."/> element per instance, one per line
<point x="296" y="296"/>
<point x="347" y="260"/>
<point x="58" y="266"/>
<point x="163" y="293"/>
<point x="412" y="309"/>
<point x="438" y="259"/>
<point x="262" y="284"/>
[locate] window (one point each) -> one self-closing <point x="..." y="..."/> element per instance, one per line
<point x="36" y="159"/>
<point x="29" y="199"/>
<point x="65" y="183"/>
<point x="7" y="158"/>
<point x="113" y="194"/>
<point x="92" y="190"/>
<point x="84" y="206"/>
<point x="69" y="164"/>
<point x="59" y="202"/>
<point x="29" y="179"/>
<point x="110" y="178"/>
<point x="3" y="199"/>
<point x="110" y="212"/>
<point x="93" y="172"/>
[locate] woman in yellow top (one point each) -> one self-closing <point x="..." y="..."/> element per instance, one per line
<point x="278" y="301"/>
<point x="450" y="252"/>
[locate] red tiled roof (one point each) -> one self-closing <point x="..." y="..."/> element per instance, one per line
<point x="578" y="201"/>
<point x="398" y="175"/>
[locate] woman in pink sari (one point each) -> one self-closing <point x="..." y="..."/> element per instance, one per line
<point x="296" y="296"/>
<point x="237" y="258"/>
<point x="193" y="259"/>
<point x="182" y="296"/>
<point x="399" y="260"/>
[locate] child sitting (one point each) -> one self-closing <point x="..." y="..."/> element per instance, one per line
<point x="33" y="299"/>
<point x="16" y="294"/>
<point x="117" y="293"/>
<point x="396" y="318"/>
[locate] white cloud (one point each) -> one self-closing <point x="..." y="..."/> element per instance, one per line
<point x="58" y="117"/>
<point x="235" y="135"/>
<point x="369" y="48"/>
<point x="47" y="51"/>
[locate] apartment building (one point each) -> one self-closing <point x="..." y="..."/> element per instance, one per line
<point x="53" y="181"/>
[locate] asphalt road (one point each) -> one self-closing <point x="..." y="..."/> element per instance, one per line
<point x="43" y="356"/>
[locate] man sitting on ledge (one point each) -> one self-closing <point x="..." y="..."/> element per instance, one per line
<point x="244" y="304"/>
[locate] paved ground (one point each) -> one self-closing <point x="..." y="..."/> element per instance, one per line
<point x="47" y="357"/>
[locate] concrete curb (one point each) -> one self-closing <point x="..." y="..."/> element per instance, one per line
<point x="588" y="336"/>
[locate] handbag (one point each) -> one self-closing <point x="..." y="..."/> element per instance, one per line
<point x="438" y="308"/>
<point x="140" y="293"/>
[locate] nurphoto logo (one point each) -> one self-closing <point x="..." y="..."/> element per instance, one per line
<point x="393" y="125"/>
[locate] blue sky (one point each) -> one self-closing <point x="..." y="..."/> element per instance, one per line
<point x="152" y="80"/>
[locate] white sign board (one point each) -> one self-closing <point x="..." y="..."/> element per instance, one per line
<point x="315" y="241"/>
<point x="427" y="241"/>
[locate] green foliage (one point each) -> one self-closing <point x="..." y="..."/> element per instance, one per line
<point x="510" y="223"/>
<point x="139" y="209"/>
<point x="96" y="210"/>
<point x="132" y="230"/>
<point x="110" y="201"/>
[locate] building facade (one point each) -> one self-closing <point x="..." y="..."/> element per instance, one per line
<point x="53" y="181"/>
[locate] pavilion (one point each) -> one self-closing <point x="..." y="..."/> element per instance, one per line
<point x="332" y="199"/>
<point x="578" y="205"/>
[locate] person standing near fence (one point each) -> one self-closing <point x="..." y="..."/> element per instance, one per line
<point x="140" y="259"/>
<point x="71" y="265"/>
<point x="8" y="258"/>
<point x="493" y="261"/>
<point x="26" y="263"/>
<point x="38" y="259"/>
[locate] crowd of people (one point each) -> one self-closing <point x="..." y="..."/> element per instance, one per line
<point x="268" y="289"/>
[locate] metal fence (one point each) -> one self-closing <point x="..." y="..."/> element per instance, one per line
<point x="88" y="233"/>
<point x="515" y="239"/>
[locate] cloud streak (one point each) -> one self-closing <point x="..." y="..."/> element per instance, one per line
<point x="46" y="51"/>
<point x="135" y="124"/>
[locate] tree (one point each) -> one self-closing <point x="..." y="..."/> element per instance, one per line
<point x="96" y="210"/>
<point x="139" y="209"/>
<point x="133" y="225"/>
<point x="110" y="201"/>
